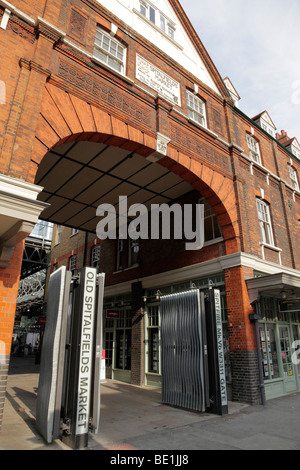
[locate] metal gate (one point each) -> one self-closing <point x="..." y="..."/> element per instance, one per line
<point x="184" y="351"/>
<point x="68" y="399"/>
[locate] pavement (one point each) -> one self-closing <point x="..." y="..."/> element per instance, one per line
<point x="133" y="418"/>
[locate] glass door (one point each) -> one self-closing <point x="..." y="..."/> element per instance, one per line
<point x="123" y="349"/>
<point x="268" y="351"/>
<point x="296" y="338"/>
<point x="288" y="370"/>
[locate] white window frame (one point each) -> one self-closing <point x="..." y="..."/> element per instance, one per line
<point x="157" y="18"/>
<point x="72" y="262"/>
<point x="295" y="151"/>
<point x="150" y="324"/>
<point x="133" y="247"/>
<point x="95" y="255"/>
<point x="58" y="233"/>
<point x="265" y="223"/>
<point x="108" y="49"/>
<point x="171" y="31"/>
<point x="148" y="11"/>
<point x="211" y="218"/>
<point x="253" y="147"/>
<point x="293" y="178"/>
<point x="196" y="109"/>
<point x="268" y="129"/>
<point x="120" y="254"/>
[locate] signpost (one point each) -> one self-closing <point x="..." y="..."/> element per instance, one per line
<point x="220" y="348"/>
<point x="217" y="377"/>
<point x="85" y="356"/>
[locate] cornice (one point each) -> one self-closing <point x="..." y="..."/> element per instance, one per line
<point x="200" y="270"/>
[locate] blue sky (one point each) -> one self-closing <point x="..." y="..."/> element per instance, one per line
<point x="257" y="45"/>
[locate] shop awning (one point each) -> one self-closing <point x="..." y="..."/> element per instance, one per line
<point x="280" y="285"/>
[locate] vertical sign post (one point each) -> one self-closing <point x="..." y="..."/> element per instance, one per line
<point x="220" y="349"/>
<point x="97" y="363"/>
<point x="80" y="363"/>
<point x="86" y="353"/>
<point x="217" y="377"/>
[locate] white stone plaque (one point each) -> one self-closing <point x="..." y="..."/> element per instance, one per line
<point x="157" y="80"/>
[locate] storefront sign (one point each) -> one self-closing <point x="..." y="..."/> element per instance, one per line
<point x="157" y="80"/>
<point x="289" y="305"/>
<point x="220" y="347"/>
<point x="86" y="352"/>
<point x="112" y="314"/>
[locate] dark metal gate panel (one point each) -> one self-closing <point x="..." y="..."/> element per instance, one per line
<point x="52" y="361"/>
<point x="183" y="377"/>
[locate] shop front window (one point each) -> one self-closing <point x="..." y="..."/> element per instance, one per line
<point x="153" y="338"/>
<point x="268" y="351"/>
<point x="123" y="340"/>
<point x="123" y="349"/>
<point x="117" y="338"/>
<point x="109" y="340"/>
<point x="286" y="353"/>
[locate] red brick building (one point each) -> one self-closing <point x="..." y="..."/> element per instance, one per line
<point x="111" y="98"/>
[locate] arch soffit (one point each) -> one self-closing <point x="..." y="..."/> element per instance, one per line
<point x="66" y="118"/>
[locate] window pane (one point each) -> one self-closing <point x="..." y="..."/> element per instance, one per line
<point x="196" y="109"/>
<point x="109" y="51"/>
<point x="268" y="352"/>
<point x="285" y="351"/>
<point x="212" y="227"/>
<point x="152" y="14"/>
<point x="153" y="350"/>
<point x="114" y="64"/>
<point x="143" y="9"/>
<point x="171" y="32"/>
<point x="105" y="43"/>
<point x="134" y="252"/>
<point x="108" y="348"/>
<point x="123" y="349"/>
<point x="100" y="55"/>
<point x="253" y="149"/>
<point x="264" y="222"/>
<point x="208" y="229"/>
<point x="217" y="230"/>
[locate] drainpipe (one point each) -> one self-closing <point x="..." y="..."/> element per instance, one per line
<point x="255" y="317"/>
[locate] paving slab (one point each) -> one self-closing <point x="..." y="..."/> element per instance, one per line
<point x="134" y="418"/>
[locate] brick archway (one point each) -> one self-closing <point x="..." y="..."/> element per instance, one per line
<point x="66" y="118"/>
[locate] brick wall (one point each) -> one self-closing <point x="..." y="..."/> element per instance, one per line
<point x="9" y="284"/>
<point x="243" y="348"/>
